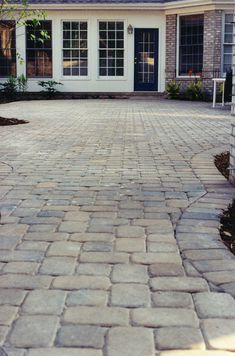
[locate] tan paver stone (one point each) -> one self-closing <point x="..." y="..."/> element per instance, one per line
<point x="46" y="236"/>
<point x="64" y="248"/>
<point x="130" y="341"/>
<point x="88" y="297"/>
<point x="103" y="316"/>
<point x="12" y="296"/>
<point x="128" y="245"/>
<point x="154" y="257"/>
<point x="21" y="267"/>
<point x="81" y="282"/>
<point x="195" y="353"/>
<point x="91" y="236"/>
<point x="3" y="333"/>
<point x="58" y="266"/>
<point x="65" y="352"/>
<point x="130" y="295"/>
<point x="129" y="273"/>
<point x="77" y="216"/>
<point x="128" y="231"/>
<point x="7" y="314"/>
<point x="23" y="281"/>
<point x="44" y="302"/>
<point x="94" y="269"/>
<point x="179" y="338"/>
<point x="160" y="317"/>
<point x="183" y="284"/>
<point x="214" y="305"/>
<point x="34" y="331"/>
<point x="73" y="226"/>
<point x="172" y="299"/>
<point x="166" y="269"/>
<point x="81" y="336"/>
<point x="219" y="333"/>
<point x="220" y="277"/>
<point x="210" y="254"/>
<point x="104" y="257"/>
<point x="161" y="247"/>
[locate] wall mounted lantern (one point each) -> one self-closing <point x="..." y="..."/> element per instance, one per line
<point x="129" y="29"/>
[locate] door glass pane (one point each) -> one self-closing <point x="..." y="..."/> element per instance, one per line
<point x="146" y="57"/>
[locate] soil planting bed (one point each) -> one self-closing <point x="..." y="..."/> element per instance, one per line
<point x="227" y="228"/>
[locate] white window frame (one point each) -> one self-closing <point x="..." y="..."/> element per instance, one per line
<point x="178" y="43"/>
<point x="75" y="77"/>
<point x="113" y="78"/>
<point x="222" y="40"/>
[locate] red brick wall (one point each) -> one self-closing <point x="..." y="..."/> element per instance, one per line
<point x="212" y="49"/>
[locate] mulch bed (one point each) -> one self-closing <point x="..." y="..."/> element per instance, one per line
<point x="6" y="121"/>
<point x="227" y="228"/>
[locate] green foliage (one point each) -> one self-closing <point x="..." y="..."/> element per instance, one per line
<point x="14" y="88"/>
<point x="194" y="90"/>
<point x="173" y="89"/>
<point x="22" y="83"/>
<point x="49" y="87"/>
<point x="9" y="88"/>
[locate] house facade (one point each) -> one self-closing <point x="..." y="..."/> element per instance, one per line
<point x="232" y="138"/>
<point x="121" y="46"/>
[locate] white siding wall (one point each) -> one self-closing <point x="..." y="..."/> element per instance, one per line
<point x="138" y="19"/>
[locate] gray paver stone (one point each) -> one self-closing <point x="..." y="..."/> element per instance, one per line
<point x="44" y="302"/>
<point x="130" y="341"/>
<point x="172" y="299"/>
<point x="130" y="295"/>
<point x="129" y="273"/>
<point x="179" y="338"/>
<point x="87" y="297"/>
<point x="34" y="331"/>
<point x="81" y="335"/>
<point x="184" y="284"/>
<point x="219" y="333"/>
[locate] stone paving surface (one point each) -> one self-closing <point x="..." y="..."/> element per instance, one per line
<point x="109" y="240"/>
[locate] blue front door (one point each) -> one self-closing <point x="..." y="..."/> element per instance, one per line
<point x="146" y="59"/>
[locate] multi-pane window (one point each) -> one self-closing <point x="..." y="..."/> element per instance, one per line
<point x="75" y="48"/>
<point x="7" y="48"/>
<point x="191" y="44"/>
<point x="228" y="42"/>
<point x="39" y="50"/>
<point x="111" y="48"/>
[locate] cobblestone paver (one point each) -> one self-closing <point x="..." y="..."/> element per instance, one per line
<point x="109" y="240"/>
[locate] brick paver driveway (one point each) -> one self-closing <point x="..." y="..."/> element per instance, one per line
<point x="109" y="232"/>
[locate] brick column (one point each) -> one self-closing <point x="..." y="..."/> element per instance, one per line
<point x="171" y="39"/>
<point x="212" y="53"/>
<point x="232" y="139"/>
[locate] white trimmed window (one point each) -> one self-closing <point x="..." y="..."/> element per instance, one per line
<point x="75" y="48"/>
<point x="228" y="42"/>
<point x="111" y="49"/>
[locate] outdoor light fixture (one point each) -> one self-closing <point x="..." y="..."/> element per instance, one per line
<point x="129" y="29"/>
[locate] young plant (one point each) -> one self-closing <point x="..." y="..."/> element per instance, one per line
<point x="194" y="90"/>
<point x="22" y="82"/>
<point x="49" y="87"/>
<point x="173" y="89"/>
<point x="9" y="88"/>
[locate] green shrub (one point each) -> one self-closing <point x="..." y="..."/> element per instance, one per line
<point x="10" y="88"/>
<point x="22" y="83"/>
<point x="49" y="87"/>
<point x="173" y="89"/>
<point x="194" y="90"/>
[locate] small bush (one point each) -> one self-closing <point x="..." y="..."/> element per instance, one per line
<point x="173" y="89"/>
<point x="9" y="88"/>
<point x="194" y="90"/>
<point x="49" y="87"/>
